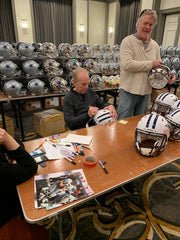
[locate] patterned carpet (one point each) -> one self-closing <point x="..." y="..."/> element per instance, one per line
<point x="150" y="212"/>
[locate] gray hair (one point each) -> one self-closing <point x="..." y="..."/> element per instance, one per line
<point x="76" y="71"/>
<point x="149" y="12"/>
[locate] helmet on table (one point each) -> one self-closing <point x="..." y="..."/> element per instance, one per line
<point x="97" y="82"/>
<point x="58" y="84"/>
<point x="158" y="76"/>
<point x="163" y="103"/>
<point x="26" y="49"/>
<point x="151" y="135"/>
<point x="31" y="68"/>
<point x="103" y="116"/>
<point x="174" y="120"/>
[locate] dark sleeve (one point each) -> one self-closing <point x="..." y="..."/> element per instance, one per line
<point x="72" y="120"/>
<point x="14" y="174"/>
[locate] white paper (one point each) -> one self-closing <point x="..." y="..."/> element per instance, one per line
<point x="79" y="139"/>
<point x="52" y="152"/>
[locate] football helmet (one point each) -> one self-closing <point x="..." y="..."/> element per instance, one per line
<point x="116" y="48"/>
<point x="65" y="50"/>
<point x="97" y="82"/>
<point x="49" y="49"/>
<point x="103" y="116"/>
<point x="170" y="50"/>
<point x="158" y="76"/>
<point x="31" y="68"/>
<point x="151" y="135"/>
<point x="36" y="86"/>
<point x="177" y="51"/>
<point x="163" y="103"/>
<point x="83" y="50"/>
<point x="26" y="50"/>
<point x="175" y="62"/>
<point x="175" y="105"/>
<point x="6" y="50"/>
<point x="59" y="85"/>
<point x="161" y="51"/>
<point x="72" y="64"/>
<point x="91" y="66"/>
<point x="13" y="88"/>
<point x="106" y="48"/>
<point x="166" y="61"/>
<point x="9" y="69"/>
<point x="51" y="66"/>
<point x="174" y="120"/>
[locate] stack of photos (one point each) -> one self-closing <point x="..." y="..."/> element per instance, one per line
<point x="56" y="189"/>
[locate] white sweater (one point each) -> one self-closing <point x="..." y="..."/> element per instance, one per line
<point x="136" y="64"/>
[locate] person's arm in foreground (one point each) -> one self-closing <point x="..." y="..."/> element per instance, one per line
<point x="12" y="174"/>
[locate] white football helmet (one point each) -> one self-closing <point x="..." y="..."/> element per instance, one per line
<point x="176" y="105"/>
<point x="26" y="50"/>
<point x="158" y="76"/>
<point x="13" y="88"/>
<point x="72" y="64"/>
<point x="103" y="116"/>
<point x="177" y="51"/>
<point x="163" y="103"/>
<point x="175" y="62"/>
<point x="31" y="68"/>
<point x="36" y="86"/>
<point x="174" y="120"/>
<point x="151" y="135"/>
<point x="6" y="50"/>
<point x="8" y="68"/>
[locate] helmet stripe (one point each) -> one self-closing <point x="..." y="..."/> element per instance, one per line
<point x="107" y="113"/>
<point x="176" y="111"/>
<point x="162" y="97"/>
<point x="148" y="121"/>
<point x="155" y="121"/>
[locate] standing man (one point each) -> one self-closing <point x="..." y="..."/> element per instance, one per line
<point x="82" y="103"/>
<point x="138" y="54"/>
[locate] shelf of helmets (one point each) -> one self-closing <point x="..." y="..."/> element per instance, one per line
<point x="27" y="71"/>
<point x="171" y="58"/>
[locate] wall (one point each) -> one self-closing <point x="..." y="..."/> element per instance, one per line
<point x="166" y="4"/>
<point x="146" y="4"/>
<point x="22" y="10"/>
<point x="111" y="23"/>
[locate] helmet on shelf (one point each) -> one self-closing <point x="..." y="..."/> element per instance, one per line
<point x="91" y="65"/>
<point x="51" y="66"/>
<point x="96" y="48"/>
<point x="103" y="116"/>
<point x="8" y="68"/>
<point x="163" y="103"/>
<point x="170" y="50"/>
<point x="49" y="49"/>
<point x="26" y="50"/>
<point x="175" y="62"/>
<point x="177" y="51"/>
<point x="74" y="49"/>
<point x="13" y="88"/>
<point x="58" y="84"/>
<point x="36" y="86"/>
<point x="65" y="50"/>
<point x="166" y="61"/>
<point x="31" y="68"/>
<point x="72" y="64"/>
<point x="83" y="50"/>
<point x="106" y="48"/>
<point x="116" y="48"/>
<point x="158" y="76"/>
<point x="151" y="135"/>
<point x="174" y="120"/>
<point x="97" y="82"/>
<point x="6" y="50"/>
<point x="161" y="51"/>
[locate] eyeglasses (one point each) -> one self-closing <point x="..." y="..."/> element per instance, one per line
<point x="145" y="10"/>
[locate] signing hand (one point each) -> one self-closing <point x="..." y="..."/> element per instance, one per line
<point x="92" y="111"/>
<point x="112" y="110"/>
<point x="172" y="79"/>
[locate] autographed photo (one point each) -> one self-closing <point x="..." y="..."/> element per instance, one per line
<point x="56" y="189"/>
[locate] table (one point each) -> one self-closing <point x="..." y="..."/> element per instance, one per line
<point x="113" y="142"/>
<point x="17" y="108"/>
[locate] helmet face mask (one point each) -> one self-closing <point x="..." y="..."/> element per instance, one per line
<point x="151" y="135"/>
<point x="163" y="103"/>
<point x="174" y="121"/>
<point x="149" y="144"/>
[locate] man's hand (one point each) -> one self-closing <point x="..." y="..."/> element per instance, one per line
<point x="92" y="111"/>
<point x="172" y="79"/>
<point x="7" y="140"/>
<point x="156" y="63"/>
<point x="112" y="110"/>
